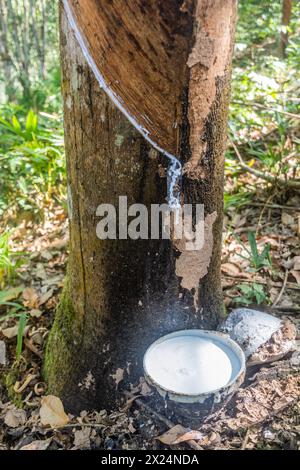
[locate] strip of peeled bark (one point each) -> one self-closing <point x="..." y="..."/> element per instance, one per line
<point x="209" y="63"/>
<point x="120" y="295"/>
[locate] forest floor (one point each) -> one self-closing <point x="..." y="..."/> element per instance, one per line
<point x="264" y="414"/>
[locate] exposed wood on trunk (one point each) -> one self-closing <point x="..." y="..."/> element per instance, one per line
<point x="140" y="51"/>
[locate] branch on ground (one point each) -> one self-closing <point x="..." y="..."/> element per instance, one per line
<point x="291" y="184"/>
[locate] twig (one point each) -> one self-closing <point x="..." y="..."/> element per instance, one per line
<point x="271" y="206"/>
<point x="246" y="440"/>
<point x="32" y="348"/>
<point x="259" y="174"/>
<point x="263" y="211"/>
<point x="83" y="425"/>
<point x="268" y="108"/>
<point x="19" y="388"/>
<point x="193" y="444"/>
<point x="159" y="416"/>
<point x="251" y="228"/>
<point x="278" y="298"/>
<point x="288" y="309"/>
<point x="290" y="285"/>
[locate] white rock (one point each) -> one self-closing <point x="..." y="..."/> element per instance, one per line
<point x="250" y="328"/>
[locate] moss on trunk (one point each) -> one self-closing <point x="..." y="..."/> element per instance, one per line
<point x="62" y="347"/>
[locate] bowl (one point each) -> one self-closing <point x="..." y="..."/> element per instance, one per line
<point x="194" y="371"/>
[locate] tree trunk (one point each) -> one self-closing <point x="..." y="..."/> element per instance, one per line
<point x="120" y="295"/>
<point x="285" y="21"/>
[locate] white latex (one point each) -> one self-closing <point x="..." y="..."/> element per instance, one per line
<point x="190" y="365"/>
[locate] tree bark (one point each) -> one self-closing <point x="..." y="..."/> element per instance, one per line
<point x="285" y="21"/>
<point x="120" y="295"/>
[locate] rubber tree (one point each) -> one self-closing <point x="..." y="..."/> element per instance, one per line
<point x="120" y="295"/>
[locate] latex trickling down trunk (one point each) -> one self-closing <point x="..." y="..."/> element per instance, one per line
<point x="175" y="167"/>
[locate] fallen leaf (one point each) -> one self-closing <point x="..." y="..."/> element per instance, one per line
<point x="53" y="281"/>
<point x="172" y="435"/>
<point x="231" y="269"/>
<point x="279" y="345"/>
<point x="47" y="255"/>
<point x="189" y="436"/>
<point x="82" y="438"/>
<point x="287" y="219"/>
<point x="37" y="445"/>
<point x="118" y="376"/>
<point x="59" y="243"/>
<point x="45" y="297"/>
<point x="10" y="294"/>
<point x="15" y="418"/>
<point x="11" y="332"/>
<point x="36" y="313"/>
<point x="131" y="428"/>
<point x="296" y="275"/>
<point x="52" y="412"/>
<point x="31" y="298"/>
<point x="145" y="389"/>
<point x="40" y="271"/>
<point x="296" y="262"/>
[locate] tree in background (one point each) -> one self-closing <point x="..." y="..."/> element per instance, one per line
<point x="285" y="21"/>
<point x="27" y="30"/>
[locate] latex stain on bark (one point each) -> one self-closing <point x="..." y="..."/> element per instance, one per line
<point x="192" y="266"/>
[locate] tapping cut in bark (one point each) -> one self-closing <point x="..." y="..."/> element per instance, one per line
<point x="146" y="54"/>
<point x="121" y="295"/>
<point x="138" y="53"/>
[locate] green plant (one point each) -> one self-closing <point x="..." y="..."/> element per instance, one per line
<point x="236" y="200"/>
<point x="17" y="311"/>
<point x="9" y="261"/>
<point x="251" y="292"/>
<point x="258" y="260"/>
<point x="21" y="329"/>
<point x="32" y="159"/>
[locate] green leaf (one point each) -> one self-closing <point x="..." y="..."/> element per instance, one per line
<point x="31" y="121"/>
<point x="6" y="124"/>
<point x="22" y="185"/>
<point x="21" y="328"/>
<point x="16" y="124"/>
<point x="253" y="248"/>
<point x="259" y="293"/>
<point x="10" y="294"/>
